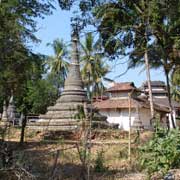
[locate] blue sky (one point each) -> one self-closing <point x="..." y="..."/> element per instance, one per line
<point x="58" y="26"/>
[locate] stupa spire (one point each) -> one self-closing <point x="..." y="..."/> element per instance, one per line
<point x="75" y="50"/>
<point x="73" y="87"/>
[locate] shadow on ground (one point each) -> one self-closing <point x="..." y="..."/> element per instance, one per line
<point x="49" y="161"/>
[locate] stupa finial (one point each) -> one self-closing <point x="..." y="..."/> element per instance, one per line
<point x="75" y="42"/>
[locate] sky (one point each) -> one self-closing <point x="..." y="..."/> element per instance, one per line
<point x="58" y="26"/>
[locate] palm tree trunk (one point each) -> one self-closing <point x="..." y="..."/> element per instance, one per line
<point x="169" y="98"/>
<point x="149" y="83"/>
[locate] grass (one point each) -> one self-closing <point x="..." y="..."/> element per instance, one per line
<point x="38" y="155"/>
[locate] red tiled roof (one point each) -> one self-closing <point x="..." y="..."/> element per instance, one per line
<point x="100" y="98"/>
<point x="114" y="104"/>
<point x="124" y="103"/>
<point x="126" y="86"/>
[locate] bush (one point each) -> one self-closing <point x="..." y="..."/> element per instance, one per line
<point x="99" y="162"/>
<point x="162" y="152"/>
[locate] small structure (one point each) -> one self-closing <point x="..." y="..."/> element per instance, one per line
<point x="10" y="115"/>
<point x="159" y="89"/>
<point x="125" y="96"/>
<point x="4" y="117"/>
<point x="160" y="97"/>
<point x="13" y="115"/>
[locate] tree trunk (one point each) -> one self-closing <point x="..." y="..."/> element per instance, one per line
<point x="23" y="126"/>
<point x="169" y="97"/>
<point x="149" y="83"/>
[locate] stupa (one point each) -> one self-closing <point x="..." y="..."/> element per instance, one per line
<point x="4" y="118"/>
<point x="10" y="116"/>
<point x="62" y="116"/>
<point x="11" y="111"/>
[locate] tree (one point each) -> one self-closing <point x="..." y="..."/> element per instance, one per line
<point x="58" y="63"/>
<point x="175" y="81"/>
<point x="17" y="28"/>
<point x="93" y="68"/>
<point x="39" y="95"/>
<point x="164" y="51"/>
<point x="125" y="29"/>
<point x="166" y="30"/>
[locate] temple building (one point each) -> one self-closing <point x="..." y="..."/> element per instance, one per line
<point x="160" y="97"/>
<point x="125" y="103"/>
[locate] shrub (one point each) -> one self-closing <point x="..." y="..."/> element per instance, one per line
<point x="99" y="162"/>
<point x="162" y="152"/>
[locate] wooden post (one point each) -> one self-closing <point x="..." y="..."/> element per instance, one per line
<point x="129" y="143"/>
<point x="89" y="143"/>
<point x="53" y="171"/>
<point x="146" y="59"/>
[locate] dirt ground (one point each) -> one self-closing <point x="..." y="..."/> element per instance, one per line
<point x="62" y="158"/>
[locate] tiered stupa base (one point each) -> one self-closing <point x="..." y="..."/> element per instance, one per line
<point x="62" y="116"/>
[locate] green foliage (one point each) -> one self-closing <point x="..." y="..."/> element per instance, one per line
<point x="18" y="17"/>
<point x="58" y="64"/>
<point x="81" y="114"/>
<point x="162" y="152"/>
<point x="18" y="64"/>
<point x="38" y="96"/>
<point x="99" y="162"/>
<point x="175" y="80"/>
<point x="94" y="68"/>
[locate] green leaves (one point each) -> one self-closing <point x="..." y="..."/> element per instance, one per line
<point x="38" y="96"/>
<point x="175" y="80"/>
<point x="94" y="68"/>
<point x="162" y="152"/>
<point x="58" y="64"/>
<point x="18" y="64"/>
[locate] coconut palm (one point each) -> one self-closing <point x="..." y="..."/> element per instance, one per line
<point x="58" y="63"/>
<point x="124" y="27"/>
<point x="94" y="68"/>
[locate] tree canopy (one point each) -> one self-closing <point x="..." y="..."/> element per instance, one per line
<point x="18" y="63"/>
<point x="94" y="67"/>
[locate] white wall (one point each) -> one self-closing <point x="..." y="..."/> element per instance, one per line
<point x="170" y="120"/>
<point x="121" y="117"/>
<point x="145" y="116"/>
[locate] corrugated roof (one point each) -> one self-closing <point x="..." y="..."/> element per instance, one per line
<point x="165" y="102"/>
<point x="164" y="92"/>
<point x="155" y="83"/>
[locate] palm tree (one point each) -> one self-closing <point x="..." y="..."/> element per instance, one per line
<point x="125" y="28"/>
<point x="94" y="68"/>
<point x="58" y="63"/>
<point x="165" y="29"/>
